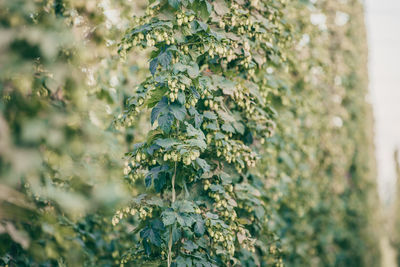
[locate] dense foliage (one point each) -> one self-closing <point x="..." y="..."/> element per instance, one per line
<point x="185" y="133"/>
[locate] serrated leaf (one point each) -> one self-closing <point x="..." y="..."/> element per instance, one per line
<point x="176" y="234"/>
<point x="212" y="126"/>
<point x="160" y="181"/>
<point x="210" y="115"/>
<point x="199" y="228"/>
<point x="191" y="131"/>
<point x="260" y="212"/>
<point x="203" y="164"/>
<point x="152" y="232"/>
<point x="167" y="142"/>
<point x="185" y="220"/>
<point x="160" y="107"/>
<point x="165" y="122"/>
<point x="158" y="175"/>
<point x="184" y="262"/>
<point x="179" y="67"/>
<point x="183" y="206"/>
<point x="185" y="80"/>
<point x="239" y="127"/>
<point x="227" y="127"/>
<point x="178" y="110"/>
<point x="219" y="136"/>
<point x="155" y="96"/>
<point x="168" y="217"/>
<point x="155" y="201"/>
<point x="203" y="25"/>
<point x="200" y="143"/>
<point x="227" y="86"/>
<point x="203" y="8"/>
<point x="190" y="246"/>
<point x="165" y="59"/>
<point x="193" y="70"/>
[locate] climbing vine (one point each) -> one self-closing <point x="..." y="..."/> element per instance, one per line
<point x="209" y="109"/>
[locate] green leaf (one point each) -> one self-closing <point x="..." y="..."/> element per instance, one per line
<point x="165" y="122"/>
<point x="185" y="220"/>
<point x="179" y="67"/>
<point x="165" y="59"/>
<point x="184" y="262"/>
<point x="176" y="234"/>
<point x="203" y="9"/>
<point x="167" y="142"/>
<point x="199" y="228"/>
<point x="153" y="66"/>
<point x="155" y="201"/>
<point x="227" y="86"/>
<point x="183" y="206"/>
<point x="152" y="232"/>
<point x="200" y="143"/>
<point x="198" y="119"/>
<point x="160" y="181"/>
<point x="203" y="164"/>
<point x="203" y="25"/>
<point x="160" y="107"/>
<point x="217" y="188"/>
<point x="193" y="70"/>
<point x="212" y="126"/>
<point x="220" y="7"/>
<point x="174" y="3"/>
<point x="185" y="80"/>
<point x="178" y="110"/>
<point x="210" y="115"/>
<point x="219" y="136"/>
<point x="189" y="245"/>
<point x="158" y="174"/>
<point x="168" y="217"/>
<point x="181" y="97"/>
<point x="227" y="127"/>
<point x="239" y="127"/>
<point x="191" y="131"/>
<point x="155" y="96"/>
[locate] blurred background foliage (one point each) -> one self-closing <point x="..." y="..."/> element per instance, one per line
<point x="395" y="228"/>
<point x="61" y="160"/>
<point x="320" y="163"/>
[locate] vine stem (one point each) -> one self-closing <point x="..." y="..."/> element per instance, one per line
<point x="173" y="184"/>
<point x="170" y="231"/>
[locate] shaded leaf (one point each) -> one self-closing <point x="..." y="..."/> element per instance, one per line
<point x="203" y="164"/>
<point x="165" y="122"/>
<point x="168" y="217"/>
<point x="178" y="110"/>
<point x="199" y="228"/>
<point x="153" y="66"/>
<point x="174" y="3"/>
<point x="161" y="106"/>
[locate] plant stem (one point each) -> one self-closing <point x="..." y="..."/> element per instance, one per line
<point x="170" y="232"/>
<point x="173" y="185"/>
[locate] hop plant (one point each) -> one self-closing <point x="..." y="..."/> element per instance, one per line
<point x="207" y="98"/>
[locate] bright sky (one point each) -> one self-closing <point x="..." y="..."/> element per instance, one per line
<point x="383" y="23"/>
